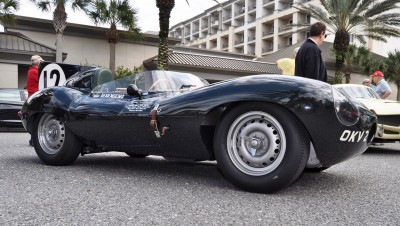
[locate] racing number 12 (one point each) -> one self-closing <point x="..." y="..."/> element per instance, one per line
<point x="52" y="73"/>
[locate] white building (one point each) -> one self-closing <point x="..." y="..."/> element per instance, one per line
<point x="255" y="27"/>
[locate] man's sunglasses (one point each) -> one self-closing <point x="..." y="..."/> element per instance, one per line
<point x="326" y="35"/>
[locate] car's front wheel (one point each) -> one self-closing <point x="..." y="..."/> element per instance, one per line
<point x="261" y="147"/>
<point x="54" y="143"/>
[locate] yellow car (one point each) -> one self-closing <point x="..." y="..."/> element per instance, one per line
<point x="387" y="111"/>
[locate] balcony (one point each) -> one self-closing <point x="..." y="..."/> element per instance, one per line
<point x="251" y="20"/>
<point x="238" y="42"/>
<point x="282" y="46"/>
<point x="227" y="17"/>
<point x="266" y="2"/>
<point x="251" y="7"/>
<point x="239" y="23"/>
<point x="251" y="38"/>
<point x="267" y="49"/>
<point x="238" y="13"/>
<point x="285" y="28"/>
<point x="214" y="23"/>
<point x="268" y="32"/>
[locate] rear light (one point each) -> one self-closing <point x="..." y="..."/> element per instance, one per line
<point x="346" y="111"/>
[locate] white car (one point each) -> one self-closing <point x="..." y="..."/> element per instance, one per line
<point x="387" y="111"/>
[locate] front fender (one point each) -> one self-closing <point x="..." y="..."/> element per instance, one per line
<point x="54" y="100"/>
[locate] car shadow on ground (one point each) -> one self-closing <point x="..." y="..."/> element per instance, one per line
<point x="205" y="174"/>
<point x="381" y="150"/>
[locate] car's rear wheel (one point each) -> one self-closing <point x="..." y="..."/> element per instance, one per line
<point x="54" y="143"/>
<point x="261" y="147"/>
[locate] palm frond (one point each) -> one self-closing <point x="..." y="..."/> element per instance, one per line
<point x="381" y="7"/>
<point x="388" y="19"/>
<point x="319" y="14"/>
<point x="43" y="5"/>
<point x="80" y="4"/>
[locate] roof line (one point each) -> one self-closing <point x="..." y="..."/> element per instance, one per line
<point x="27" y="39"/>
<point x="221" y="57"/>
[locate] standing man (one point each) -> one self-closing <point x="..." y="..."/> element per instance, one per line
<point x="32" y="80"/>
<point x="309" y="63"/>
<point x="382" y="87"/>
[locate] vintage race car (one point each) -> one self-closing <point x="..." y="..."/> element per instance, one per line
<point x="262" y="130"/>
<point x="387" y="111"/>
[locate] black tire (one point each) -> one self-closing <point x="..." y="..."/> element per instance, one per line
<point x="54" y="143"/>
<point x="136" y="156"/>
<point x="252" y="163"/>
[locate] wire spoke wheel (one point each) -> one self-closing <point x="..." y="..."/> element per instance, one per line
<point x="51" y="134"/>
<point x="256" y="143"/>
<point x="54" y="142"/>
<point x="260" y="147"/>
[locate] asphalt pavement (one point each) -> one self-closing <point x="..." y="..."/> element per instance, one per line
<point x="112" y="188"/>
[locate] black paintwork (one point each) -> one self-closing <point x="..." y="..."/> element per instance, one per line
<point x="110" y="124"/>
<point x="11" y="101"/>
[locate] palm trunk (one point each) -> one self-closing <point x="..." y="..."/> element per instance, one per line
<point x="398" y="92"/>
<point x="340" y="44"/>
<point x="112" y="57"/>
<point x="59" y="47"/>
<point x="112" y="36"/>
<point x="59" y="22"/>
<point x="165" y="7"/>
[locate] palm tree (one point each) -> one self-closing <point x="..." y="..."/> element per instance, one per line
<point x="355" y="57"/>
<point x="392" y="72"/>
<point x="373" y="64"/>
<point x="360" y="18"/>
<point x="60" y="18"/>
<point x="7" y="7"/>
<point x="115" y="13"/>
<point x="165" y="7"/>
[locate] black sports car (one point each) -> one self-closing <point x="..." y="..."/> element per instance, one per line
<point x="263" y="130"/>
<point x="11" y="101"/>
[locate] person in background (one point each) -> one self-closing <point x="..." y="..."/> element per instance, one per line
<point x="382" y="87"/>
<point x="366" y="82"/>
<point x="287" y="65"/>
<point x="309" y="63"/>
<point x="32" y="80"/>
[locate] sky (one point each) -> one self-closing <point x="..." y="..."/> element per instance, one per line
<point x="148" y="15"/>
<point x="147" y="12"/>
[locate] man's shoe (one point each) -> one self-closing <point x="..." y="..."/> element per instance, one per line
<point x="30" y="143"/>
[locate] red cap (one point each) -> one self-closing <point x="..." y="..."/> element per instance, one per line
<point x="377" y="74"/>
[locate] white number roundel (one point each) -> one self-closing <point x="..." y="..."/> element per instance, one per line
<point x="51" y="75"/>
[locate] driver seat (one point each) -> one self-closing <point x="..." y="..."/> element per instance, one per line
<point x="101" y="76"/>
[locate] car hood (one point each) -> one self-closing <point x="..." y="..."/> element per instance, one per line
<point x="382" y="107"/>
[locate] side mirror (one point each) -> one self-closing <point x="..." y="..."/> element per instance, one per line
<point x="133" y="90"/>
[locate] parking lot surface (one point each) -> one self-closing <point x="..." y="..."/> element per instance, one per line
<point x="112" y="188"/>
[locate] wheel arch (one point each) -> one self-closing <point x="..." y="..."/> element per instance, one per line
<point x="53" y="100"/>
<point x="215" y="115"/>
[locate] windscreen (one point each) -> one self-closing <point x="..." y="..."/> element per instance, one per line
<point x="154" y="81"/>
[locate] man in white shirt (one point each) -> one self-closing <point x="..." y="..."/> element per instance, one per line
<point x="382" y="87"/>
